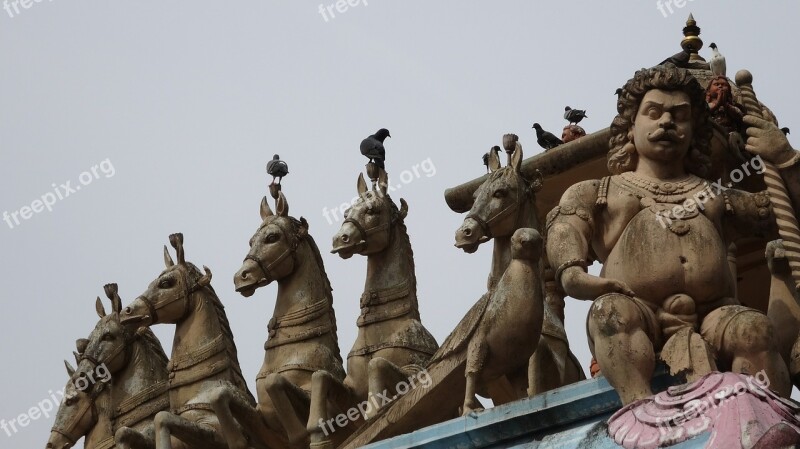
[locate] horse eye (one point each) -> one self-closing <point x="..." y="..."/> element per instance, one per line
<point x="272" y="238"/>
<point x="500" y="193"/>
<point x="108" y="336"/>
<point x="69" y="400"/>
<point x="165" y="283"/>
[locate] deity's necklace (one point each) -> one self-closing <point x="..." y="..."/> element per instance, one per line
<point x="660" y="197"/>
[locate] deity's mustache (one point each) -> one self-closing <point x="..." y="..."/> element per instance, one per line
<point x="665" y="134"/>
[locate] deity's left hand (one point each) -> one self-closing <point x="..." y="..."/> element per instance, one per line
<point x="766" y="140"/>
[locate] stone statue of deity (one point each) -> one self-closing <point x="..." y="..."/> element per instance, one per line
<point x="662" y="228"/>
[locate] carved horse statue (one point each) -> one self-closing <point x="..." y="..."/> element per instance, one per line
<point x="204" y="356"/>
<point x="504" y="203"/>
<point x="133" y="391"/>
<point x="302" y="332"/>
<point x="83" y="414"/>
<point x="392" y="344"/>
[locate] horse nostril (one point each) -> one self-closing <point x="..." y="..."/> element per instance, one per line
<point x="244" y="274"/>
<point x="128" y="311"/>
<point x="345" y="238"/>
<point x="467" y="232"/>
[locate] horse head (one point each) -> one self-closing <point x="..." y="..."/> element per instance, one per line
<point x="497" y="205"/>
<point x="273" y="248"/>
<point x="168" y="299"/>
<point x="368" y="224"/>
<point x="77" y="414"/>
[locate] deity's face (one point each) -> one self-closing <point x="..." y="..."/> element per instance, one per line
<point x="662" y="130"/>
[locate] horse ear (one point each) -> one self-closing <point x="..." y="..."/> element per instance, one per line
<point x="98" y="306"/>
<point x="516" y="158"/>
<point x="282" y="206"/>
<point x="81" y="344"/>
<point x="70" y="369"/>
<point x="176" y="240"/>
<point x="111" y="293"/>
<point x="303" y="231"/>
<point x="77" y="357"/>
<point x="494" y="160"/>
<point x="361" y="184"/>
<point x="167" y="258"/>
<point x="403" y="208"/>
<point x="265" y="210"/>
<point x="383" y="181"/>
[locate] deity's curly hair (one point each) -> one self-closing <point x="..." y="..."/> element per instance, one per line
<point x="622" y="155"/>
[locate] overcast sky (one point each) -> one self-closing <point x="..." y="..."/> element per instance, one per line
<point x="185" y="101"/>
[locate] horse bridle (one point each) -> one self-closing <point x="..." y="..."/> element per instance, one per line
<point x="153" y="307"/>
<point x="486" y="224"/>
<point x="290" y="251"/>
<point x="72" y="422"/>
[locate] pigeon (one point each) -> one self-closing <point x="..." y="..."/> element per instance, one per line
<point x="574" y="115"/>
<point x="496" y="149"/>
<point x="717" y="61"/>
<point x="785" y="131"/>
<point x="372" y="147"/>
<point x="618" y="92"/>
<point x="277" y="168"/>
<point x="680" y="60"/>
<point x="546" y="139"/>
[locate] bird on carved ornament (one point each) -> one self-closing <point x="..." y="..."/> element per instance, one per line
<point x="496" y="149"/>
<point x="277" y="168"/>
<point x="717" y="61"/>
<point x="546" y="139"/>
<point x="574" y="115"/>
<point x="680" y="60"/>
<point x="372" y="147"/>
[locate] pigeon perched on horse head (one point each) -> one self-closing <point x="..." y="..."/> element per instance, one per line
<point x="372" y="147"/>
<point x="546" y="139"/>
<point x="785" y="131"/>
<point x="277" y="168"/>
<point x="574" y="115"/>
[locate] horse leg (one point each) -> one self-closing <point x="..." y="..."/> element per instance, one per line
<point x="329" y="396"/>
<point x="293" y="403"/>
<point x="237" y="418"/>
<point x="190" y="433"/>
<point x="127" y="438"/>
<point x="384" y="377"/>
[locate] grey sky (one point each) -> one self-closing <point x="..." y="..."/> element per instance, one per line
<point x="187" y="100"/>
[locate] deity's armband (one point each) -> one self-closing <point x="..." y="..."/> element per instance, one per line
<point x="568" y="213"/>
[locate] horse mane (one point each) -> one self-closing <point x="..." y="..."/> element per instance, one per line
<point x="153" y="345"/>
<point x="328" y="290"/>
<point x="402" y="233"/>
<point x="230" y="345"/>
